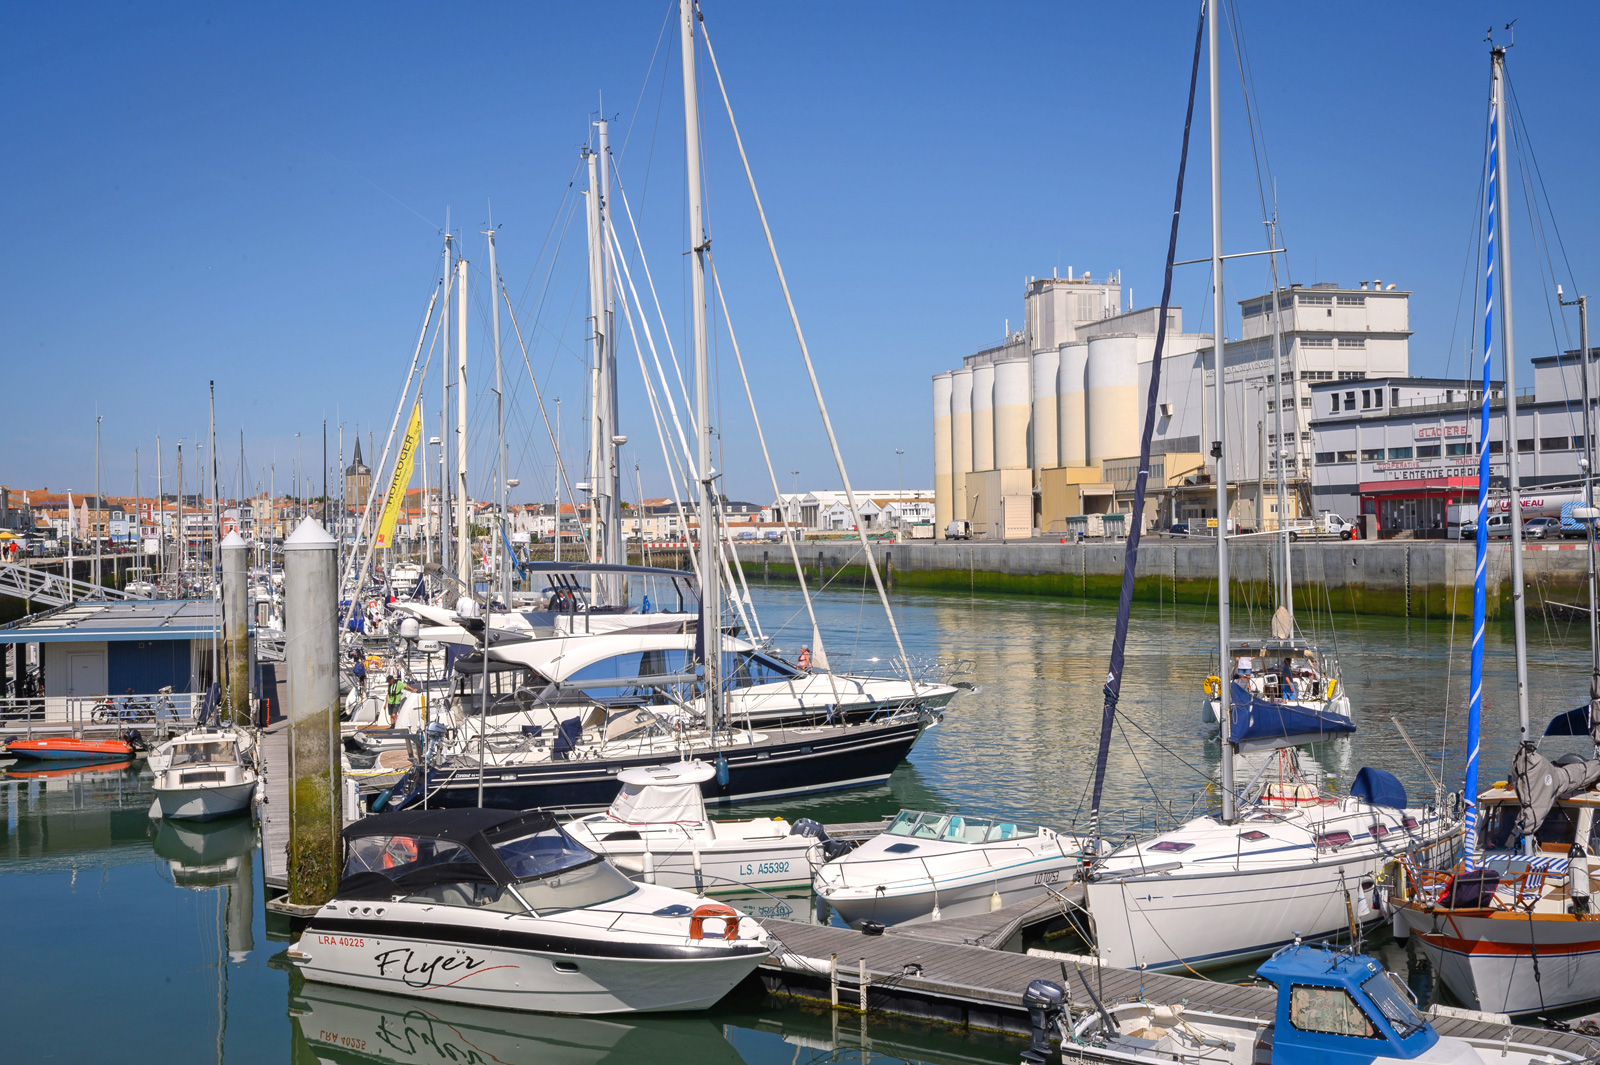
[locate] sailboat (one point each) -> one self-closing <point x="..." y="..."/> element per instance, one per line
<point x="1509" y="928"/>
<point x="1254" y="876"/>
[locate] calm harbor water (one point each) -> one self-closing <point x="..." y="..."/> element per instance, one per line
<point x="131" y="943"/>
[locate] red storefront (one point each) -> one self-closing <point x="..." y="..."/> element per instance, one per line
<point x="1421" y="504"/>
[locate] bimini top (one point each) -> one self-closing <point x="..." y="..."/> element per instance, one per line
<point x="1314" y="963"/>
<point x="401" y="853"/>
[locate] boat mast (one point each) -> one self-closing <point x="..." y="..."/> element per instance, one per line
<point x="610" y="473"/>
<point x="1225" y="658"/>
<point x="1589" y="513"/>
<point x="1508" y="352"/>
<point x="94" y="522"/>
<point x="463" y="529"/>
<point x="558" y="479"/>
<point x="446" y="378"/>
<point x="710" y="592"/>
<point x="159" y="512"/>
<point x="1286" y="594"/>
<point x="500" y="429"/>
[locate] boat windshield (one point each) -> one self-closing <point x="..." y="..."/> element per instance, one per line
<point x="396" y="856"/>
<point x="1390" y="997"/>
<point x="204" y="752"/>
<point x="954" y="828"/>
<point x="542" y="854"/>
<point x="578" y="887"/>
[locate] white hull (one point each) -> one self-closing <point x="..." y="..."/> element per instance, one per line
<point x="959" y="900"/>
<point x="515" y="979"/>
<point x="204" y="803"/>
<point x="736" y="869"/>
<point x="1489" y="964"/>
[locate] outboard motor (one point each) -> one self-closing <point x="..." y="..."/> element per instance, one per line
<point x="831" y="848"/>
<point x="1044" y="999"/>
<point x="136" y="741"/>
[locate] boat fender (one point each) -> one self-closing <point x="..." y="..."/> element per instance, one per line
<point x="726" y="914"/>
<point x="871" y="928"/>
<point x="1578" y="878"/>
<point x="722" y="771"/>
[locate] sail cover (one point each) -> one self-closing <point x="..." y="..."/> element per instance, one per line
<point x="1379" y="788"/>
<point x="1539" y="783"/>
<point x="1260" y="723"/>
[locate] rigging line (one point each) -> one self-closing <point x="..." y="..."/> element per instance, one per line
<point x="811" y="370"/>
<point x="1251" y="117"/>
<point x="772" y="474"/>
<point x="538" y="395"/>
<point x="1516" y="105"/>
<point x="655" y="129"/>
<point x="563" y="205"/>
<point x="672" y="8"/>
<point x="1113" y="686"/>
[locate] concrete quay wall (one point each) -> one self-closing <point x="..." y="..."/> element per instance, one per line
<point x="1408" y="578"/>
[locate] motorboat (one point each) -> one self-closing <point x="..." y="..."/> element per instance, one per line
<point x="657" y="830"/>
<point x="70" y="749"/>
<point x="1291" y="865"/>
<point x="506" y="909"/>
<point x="204" y="774"/>
<point x="1329" y="1006"/>
<point x="929" y="866"/>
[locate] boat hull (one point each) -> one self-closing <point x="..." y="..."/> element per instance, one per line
<point x="1169" y="923"/>
<point x="722" y="871"/>
<point x="962" y="899"/>
<point x="205" y="803"/>
<point x="802" y="763"/>
<point x="506" y="977"/>
<point x="1489" y="962"/>
<point x="68" y="750"/>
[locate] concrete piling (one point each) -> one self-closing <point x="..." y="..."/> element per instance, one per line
<point x="236" y="628"/>
<point x="311" y="653"/>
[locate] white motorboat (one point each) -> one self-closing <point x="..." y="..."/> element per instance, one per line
<point x="204" y="773"/>
<point x="505" y="909"/>
<point x="1214" y="891"/>
<point x="1329" y="1007"/>
<point x="928" y="866"/>
<point x="657" y="830"/>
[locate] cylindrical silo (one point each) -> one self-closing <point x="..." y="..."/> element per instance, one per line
<point x="1111" y="387"/>
<point x="960" y="440"/>
<point x="942" y="464"/>
<point x="1073" y="421"/>
<point x="1012" y="396"/>
<point x="983" y="417"/>
<point x="1046" y="435"/>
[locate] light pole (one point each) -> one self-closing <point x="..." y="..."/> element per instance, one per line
<point x="900" y="487"/>
<point x="796" y="497"/>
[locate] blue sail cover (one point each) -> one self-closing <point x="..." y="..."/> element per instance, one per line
<point x="1571" y="723"/>
<point x="1259" y="722"/>
<point x="1379" y="788"/>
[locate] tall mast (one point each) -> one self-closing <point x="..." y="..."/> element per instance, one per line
<point x="1285" y="572"/>
<point x="500" y="430"/>
<point x="611" y="472"/>
<point x="138" y="509"/>
<point x="1225" y="657"/>
<point x="710" y="592"/>
<point x="602" y="372"/>
<point x="216" y="544"/>
<point x="1588" y="502"/>
<point x="559" y="473"/>
<point x="446" y="377"/>
<point x="94" y="522"/>
<point x="463" y="529"/>
<point x="159" y="512"/>
<point x="1509" y="354"/>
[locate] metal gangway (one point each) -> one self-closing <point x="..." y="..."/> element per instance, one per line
<point x="53" y="589"/>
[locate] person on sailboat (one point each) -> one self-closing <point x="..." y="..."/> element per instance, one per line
<point x="397" y="697"/>
<point x="804" y="662"/>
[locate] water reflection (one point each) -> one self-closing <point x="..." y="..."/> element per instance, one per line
<point x="220" y="856"/>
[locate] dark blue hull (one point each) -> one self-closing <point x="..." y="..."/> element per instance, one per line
<point x="791" y="762"/>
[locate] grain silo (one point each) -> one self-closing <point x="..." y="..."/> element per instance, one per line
<point x="1046" y="434"/>
<point x="1012" y="400"/>
<point x="943" y="461"/>
<point x="960" y="440"/>
<point x="1111" y="386"/>
<point x="983" y="417"/>
<point x="1073" y="421"/>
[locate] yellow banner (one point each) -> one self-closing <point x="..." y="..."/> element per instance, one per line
<point x="396" y="497"/>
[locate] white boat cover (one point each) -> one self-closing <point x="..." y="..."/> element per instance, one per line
<point x="666" y="794"/>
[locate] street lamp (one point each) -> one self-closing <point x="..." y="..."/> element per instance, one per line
<point x="900" y="456"/>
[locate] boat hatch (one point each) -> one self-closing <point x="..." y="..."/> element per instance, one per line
<point x="1169" y="846"/>
<point x="954" y="828"/>
<point x="1254" y="835"/>
<point x="1333" y="840"/>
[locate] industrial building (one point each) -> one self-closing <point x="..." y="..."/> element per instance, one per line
<point x="1044" y="427"/>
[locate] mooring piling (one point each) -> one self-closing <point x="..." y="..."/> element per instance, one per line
<point x="236" y="626"/>
<point x="311" y="652"/>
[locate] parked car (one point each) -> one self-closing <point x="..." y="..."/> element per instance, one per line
<point x="1179" y="529"/>
<point x="1537" y="528"/>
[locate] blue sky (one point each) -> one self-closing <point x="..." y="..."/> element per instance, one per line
<point x="256" y="194"/>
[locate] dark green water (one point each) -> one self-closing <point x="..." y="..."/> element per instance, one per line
<point x="129" y="944"/>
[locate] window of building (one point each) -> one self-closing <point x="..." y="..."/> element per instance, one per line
<point x="1372" y="454"/>
<point x="1497" y="447"/>
<point x="1253" y="309"/>
<point x="1272" y="438"/>
<point x="1305" y="436"/>
<point x="1352" y="342"/>
<point x="1316" y="342"/>
<point x="1366" y="399"/>
<point x="1399" y="452"/>
<point x="1352" y="375"/>
<point x="1287" y="377"/>
<point x="1324" y="458"/>
<point x="1347" y="456"/>
<point x="1394" y="397"/>
<point x="1377" y="397"/>
<point x="1524" y="445"/>
<point x="1552" y="443"/>
<point x="1305" y="401"/>
<point x="1272" y="404"/>
<point x="1352" y="301"/>
<point x="1577" y="442"/>
<point x="1428" y="451"/>
<point x="1350" y="400"/>
<point x="1335" y="407"/>
<point x="1458" y="449"/>
<point x="1317" y="375"/>
<point x="1315" y="301"/>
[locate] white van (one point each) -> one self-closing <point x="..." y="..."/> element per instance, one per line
<point x="958" y="530"/>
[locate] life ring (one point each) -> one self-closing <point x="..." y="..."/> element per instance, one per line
<point x="400" y="850"/>
<point x="372" y="608"/>
<point x="374" y="663"/>
<point x="726" y="914"/>
<point x="1213" y="686"/>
